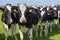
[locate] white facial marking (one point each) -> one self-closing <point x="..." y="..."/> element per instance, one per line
<point x="54" y="8"/>
<point x="8" y="7"/>
<point x="22" y="8"/>
<point x="5" y="25"/>
<point x="41" y="8"/>
<point x="42" y="13"/>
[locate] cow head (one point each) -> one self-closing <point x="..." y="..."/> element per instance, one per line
<point x="53" y="11"/>
<point x="7" y="11"/>
<point x="21" y="12"/>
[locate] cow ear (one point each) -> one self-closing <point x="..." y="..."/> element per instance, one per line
<point x="30" y="10"/>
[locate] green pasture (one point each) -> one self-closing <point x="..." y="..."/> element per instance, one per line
<point x="55" y="35"/>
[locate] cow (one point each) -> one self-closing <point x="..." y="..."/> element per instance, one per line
<point x="56" y="14"/>
<point x="45" y="17"/>
<point x="37" y="8"/>
<point x="9" y="20"/>
<point x="49" y="13"/>
<point x="27" y="17"/>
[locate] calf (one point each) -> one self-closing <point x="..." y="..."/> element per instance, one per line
<point x="7" y="20"/>
<point x="27" y="17"/>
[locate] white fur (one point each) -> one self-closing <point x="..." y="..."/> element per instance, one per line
<point x="10" y="20"/>
<point x="8" y="7"/>
<point x="42" y="13"/>
<point x="5" y="25"/>
<point x="22" y="8"/>
<point x="54" y="8"/>
<point x="41" y="8"/>
<point x="21" y="34"/>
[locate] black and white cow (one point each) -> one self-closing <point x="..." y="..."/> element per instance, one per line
<point x="55" y="12"/>
<point x="45" y="17"/>
<point x="9" y="20"/>
<point x="37" y="8"/>
<point x="27" y="17"/>
<point x="49" y="13"/>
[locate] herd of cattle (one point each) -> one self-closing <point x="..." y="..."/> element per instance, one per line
<point x="27" y="17"/>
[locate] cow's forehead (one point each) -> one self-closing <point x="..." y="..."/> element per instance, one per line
<point x="9" y="7"/>
<point x="55" y="8"/>
<point x="22" y="7"/>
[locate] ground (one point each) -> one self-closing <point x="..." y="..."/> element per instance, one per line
<point x="55" y="35"/>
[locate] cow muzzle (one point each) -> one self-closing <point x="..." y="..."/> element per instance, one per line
<point x="22" y="20"/>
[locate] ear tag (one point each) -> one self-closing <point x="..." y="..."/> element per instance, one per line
<point x="15" y="10"/>
<point x="30" y="10"/>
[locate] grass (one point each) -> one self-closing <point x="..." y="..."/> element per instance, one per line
<point x="55" y="35"/>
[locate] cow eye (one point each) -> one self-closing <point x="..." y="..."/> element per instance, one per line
<point x="30" y="10"/>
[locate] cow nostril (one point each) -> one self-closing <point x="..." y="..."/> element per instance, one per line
<point x="22" y="20"/>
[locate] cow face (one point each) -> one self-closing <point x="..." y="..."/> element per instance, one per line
<point x="43" y="11"/>
<point x="54" y="12"/>
<point x="21" y="12"/>
<point x="8" y="10"/>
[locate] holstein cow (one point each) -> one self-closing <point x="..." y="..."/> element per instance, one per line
<point x="27" y="17"/>
<point x="45" y="17"/>
<point x="56" y="13"/>
<point x="38" y="12"/>
<point x="52" y="10"/>
<point x="49" y="14"/>
<point x="7" y="20"/>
